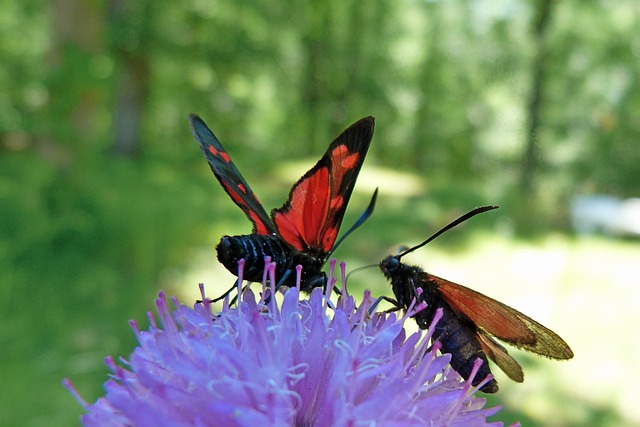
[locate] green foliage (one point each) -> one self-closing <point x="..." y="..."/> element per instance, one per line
<point x="86" y="236"/>
<point x="82" y="250"/>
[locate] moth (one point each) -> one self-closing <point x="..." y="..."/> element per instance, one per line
<point x="304" y="230"/>
<point x="472" y="322"/>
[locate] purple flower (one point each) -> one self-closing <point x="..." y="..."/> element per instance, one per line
<point x="296" y="363"/>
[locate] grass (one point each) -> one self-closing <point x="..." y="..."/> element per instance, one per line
<point x="82" y="251"/>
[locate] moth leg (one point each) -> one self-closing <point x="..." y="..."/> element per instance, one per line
<point x="227" y="292"/>
<point x="396" y="305"/>
<point x="282" y="280"/>
<point x="199" y="301"/>
<point x="279" y="284"/>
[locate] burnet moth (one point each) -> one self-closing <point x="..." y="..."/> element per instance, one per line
<point x="304" y="230"/>
<point x="471" y="321"/>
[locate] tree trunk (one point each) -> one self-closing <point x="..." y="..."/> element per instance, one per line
<point x="130" y="98"/>
<point x="133" y="84"/>
<point x="525" y="210"/>
<point x="77" y="31"/>
<point x="531" y="156"/>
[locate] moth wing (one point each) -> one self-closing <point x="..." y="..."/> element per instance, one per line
<point x="230" y="177"/>
<point x="501" y="321"/>
<point x="310" y="219"/>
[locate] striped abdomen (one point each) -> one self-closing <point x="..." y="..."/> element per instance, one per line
<point x="253" y="248"/>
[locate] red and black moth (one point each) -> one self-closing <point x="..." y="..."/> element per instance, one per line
<point x="304" y="230"/>
<point x="470" y="320"/>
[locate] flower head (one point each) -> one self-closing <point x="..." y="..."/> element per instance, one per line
<point x="291" y="363"/>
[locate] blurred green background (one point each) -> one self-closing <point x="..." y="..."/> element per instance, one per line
<point x="105" y="198"/>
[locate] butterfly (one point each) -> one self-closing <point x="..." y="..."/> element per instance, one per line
<point x="471" y="321"/>
<point x="304" y="230"/>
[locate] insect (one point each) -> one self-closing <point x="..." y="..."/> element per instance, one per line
<point x="304" y="230"/>
<point x="471" y="321"/>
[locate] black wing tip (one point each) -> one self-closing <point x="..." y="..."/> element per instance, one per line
<point x="365" y="124"/>
<point x="368" y="122"/>
<point x="358" y="134"/>
<point x="200" y="130"/>
<point x="194" y="118"/>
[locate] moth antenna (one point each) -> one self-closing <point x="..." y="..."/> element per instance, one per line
<point x="365" y="216"/>
<point x="358" y="269"/>
<point x="449" y="226"/>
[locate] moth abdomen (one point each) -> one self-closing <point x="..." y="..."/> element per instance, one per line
<point x="460" y="340"/>
<point x="253" y="248"/>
